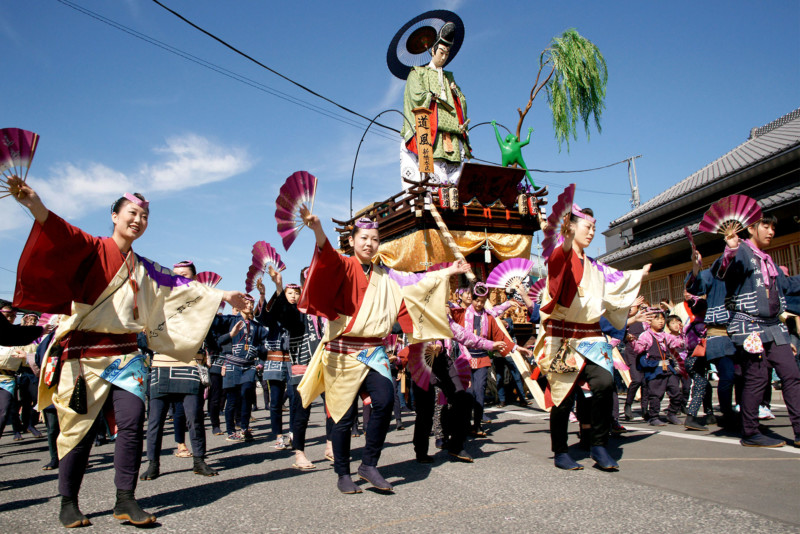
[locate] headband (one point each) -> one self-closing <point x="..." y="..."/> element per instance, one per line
<point x="293" y="286"/>
<point x="480" y="290"/>
<point x="144" y="204"/>
<point x="29" y="315"/>
<point x="576" y="211"/>
<point x="366" y="224"/>
<point x="249" y="298"/>
<point x="657" y="311"/>
<point x="183" y="264"/>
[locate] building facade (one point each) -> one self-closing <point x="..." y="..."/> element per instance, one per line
<point x="765" y="167"/>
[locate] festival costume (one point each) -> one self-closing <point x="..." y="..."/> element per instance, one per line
<point x="175" y="382"/>
<point x="457" y="401"/>
<point x="758" y="293"/>
<point x="239" y="380"/>
<point x="217" y="354"/>
<point x="719" y="347"/>
<point x="111" y="297"/>
<point x="361" y="309"/>
<point x="484" y="325"/>
<point x="277" y="366"/>
<point x="9" y="363"/>
<point x="305" y="332"/>
<point x="660" y="370"/>
<point x="579" y="293"/>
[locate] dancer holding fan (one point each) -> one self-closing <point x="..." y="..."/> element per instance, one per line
<point x="571" y="349"/>
<point x="759" y="293"/>
<point x="362" y="300"/>
<point x="113" y="294"/>
<point x="175" y="382"/>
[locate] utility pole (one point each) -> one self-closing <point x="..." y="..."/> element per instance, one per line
<point x="634" y="181"/>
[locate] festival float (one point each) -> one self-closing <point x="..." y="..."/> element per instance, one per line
<point x="451" y="207"/>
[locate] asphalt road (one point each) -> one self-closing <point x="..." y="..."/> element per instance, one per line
<point x="670" y="481"/>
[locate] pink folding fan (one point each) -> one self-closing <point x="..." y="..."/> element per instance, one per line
<point x="299" y="190"/>
<point x="17" y="148"/>
<point x="731" y="215"/>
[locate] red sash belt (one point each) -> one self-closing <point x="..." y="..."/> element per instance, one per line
<point x="350" y="345"/>
<point x="572" y="330"/>
<point x="277" y="356"/>
<point x="85" y="344"/>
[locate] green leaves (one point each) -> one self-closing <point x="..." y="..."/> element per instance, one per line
<point x="577" y="86"/>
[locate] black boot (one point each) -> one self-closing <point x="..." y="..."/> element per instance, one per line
<point x="202" y="468"/>
<point x="692" y="423"/>
<point x="127" y="509"/>
<point x="70" y="515"/>
<point x="628" y="413"/>
<point x="152" y="472"/>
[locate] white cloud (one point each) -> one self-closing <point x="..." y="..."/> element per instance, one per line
<point x="452" y="5"/>
<point x="192" y="160"/>
<point x="73" y="190"/>
<point x="393" y="95"/>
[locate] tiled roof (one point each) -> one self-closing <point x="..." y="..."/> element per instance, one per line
<point x="677" y="235"/>
<point x="766" y="141"/>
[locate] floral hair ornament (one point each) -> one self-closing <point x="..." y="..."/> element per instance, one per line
<point x="576" y="211"/>
<point x="366" y="224"/>
<point x="480" y="290"/>
<point x="144" y="204"/>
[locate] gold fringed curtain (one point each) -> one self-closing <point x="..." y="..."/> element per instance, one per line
<point x="410" y="253"/>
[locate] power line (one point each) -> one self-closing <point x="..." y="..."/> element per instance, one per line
<point x="575" y="171"/>
<point x="257" y="62"/>
<point x="284" y="96"/>
<point x="219" y="69"/>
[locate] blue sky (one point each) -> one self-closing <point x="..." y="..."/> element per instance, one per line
<point x="687" y="81"/>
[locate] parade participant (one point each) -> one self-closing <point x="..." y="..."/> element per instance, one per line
<point x="757" y="293"/>
<point x="27" y="383"/>
<point x="247" y="339"/>
<point x="675" y="327"/>
<point x="174" y="382"/>
<point x="444" y="353"/>
<point x="637" y="317"/>
<point x="571" y="348"/>
<point x="112" y="294"/>
<point x="305" y="332"/>
<point x="482" y="324"/>
<point x="719" y="348"/>
<point x="217" y="354"/>
<point x="49" y="413"/>
<point x="362" y="300"/>
<point x="661" y="373"/>
<point x="697" y="364"/>
<point x="433" y="88"/>
<point x="11" y="359"/>
<point x="278" y="363"/>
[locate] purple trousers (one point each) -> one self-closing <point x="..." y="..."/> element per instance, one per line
<point x="129" y="413"/>
<point x="756" y="379"/>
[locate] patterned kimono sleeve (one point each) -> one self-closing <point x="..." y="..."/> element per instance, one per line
<point x="322" y="294"/>
<point x="468" y="339"/>
<point x="643" y="343"/>
<point x="179" y="313"/>
<point x="426" y="303"/>
<point x="618" y="297"/>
